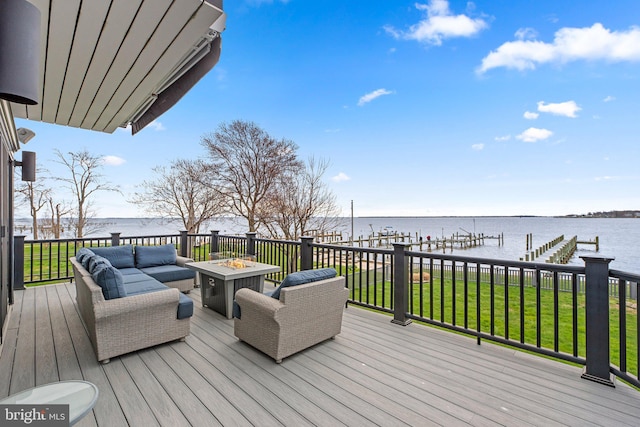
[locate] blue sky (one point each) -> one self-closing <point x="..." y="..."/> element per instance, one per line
<point x="422" y="108"/>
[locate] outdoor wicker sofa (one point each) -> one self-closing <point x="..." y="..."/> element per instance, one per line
<point x="304" y="315"/>
<point x="147" y="313"/>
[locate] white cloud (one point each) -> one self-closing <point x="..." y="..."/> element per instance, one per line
<point x="157" y="126"/>
<point x="609" y="98"/>
<point x="569" y="44"/>
<point x="477" y="147"/>
<point x="437" y="24"/>
<point x="567" y="109"/>
<point x="534" y="135"/>
<point x="526" y="34"/>
<point x="503" y="138"/>
<point x="113" y="160"/>
<point x="341" y="177"/>
<point x="530" y="115"/>
<point x="373" y="95"/>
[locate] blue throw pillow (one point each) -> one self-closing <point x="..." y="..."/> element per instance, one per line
<point x="302" y="277"/>
<point x="82" y="254"/>
<point x="119" y="256"/>
<point x="85" y="261"/>
<point x="110" y="280"/>
<point x="154" y="256"/>
<point x="96" y="261"/>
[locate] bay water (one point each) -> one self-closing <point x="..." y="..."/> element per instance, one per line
<point x="618" y="236"/>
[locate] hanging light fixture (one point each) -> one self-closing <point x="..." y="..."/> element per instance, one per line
<point x="19" y="51"/>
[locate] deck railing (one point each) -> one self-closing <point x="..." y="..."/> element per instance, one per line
<point x="582" y="314"/>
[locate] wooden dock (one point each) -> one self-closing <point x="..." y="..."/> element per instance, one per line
<point x="558" y="250"/>
<point x="386" y="240"/>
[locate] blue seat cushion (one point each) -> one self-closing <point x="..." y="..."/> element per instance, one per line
<point x="110" y="280"/>
<point x="302" y="277"/>
<point x="119" y="256"/>
<point x="82" y="254"/>
<point x="142" y="285"/>
<point x="169" y="273"/>
<point x="134" y="278"/>
<point x="151" y="256"/>
<point x="129" y="271"/>
<point x="95" y="261"/>
<point x="185" y="304"/>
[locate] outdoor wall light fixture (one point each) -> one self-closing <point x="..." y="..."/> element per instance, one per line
<point x="25" y="135"/>
<point x="19" y="51"/>
<point x="28" y="165"/>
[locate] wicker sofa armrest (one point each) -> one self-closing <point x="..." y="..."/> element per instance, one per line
<point x="182" y="260"/>
<point x="160" y="303"/>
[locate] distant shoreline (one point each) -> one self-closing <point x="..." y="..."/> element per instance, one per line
<point x="631" y="214"/>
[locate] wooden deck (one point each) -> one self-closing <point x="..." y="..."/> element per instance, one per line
<point x="374" y="373"/>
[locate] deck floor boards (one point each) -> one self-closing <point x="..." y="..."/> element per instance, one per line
<point x="373" y="373"/>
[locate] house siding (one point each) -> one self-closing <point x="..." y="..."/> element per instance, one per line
<point x="8" y="145"/>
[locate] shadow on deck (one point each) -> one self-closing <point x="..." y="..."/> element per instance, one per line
<point x="374" y="373"/>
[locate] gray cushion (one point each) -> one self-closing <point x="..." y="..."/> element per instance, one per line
<point x="110" y="280"/>
<point x="169" y="273"/>
<point x="82" y="254"/>
<point x="119" y="256"/>
<point x="151" y="256"/>
<point x="302" y="277"/>
<point x="95" y="261"/>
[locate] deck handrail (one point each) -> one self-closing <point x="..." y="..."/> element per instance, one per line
<point x="525" y="305"/>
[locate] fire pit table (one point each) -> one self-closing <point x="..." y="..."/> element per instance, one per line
<point x="220" y="279"/>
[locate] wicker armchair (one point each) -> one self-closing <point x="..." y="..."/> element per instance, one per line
<point x="303" y="316"/>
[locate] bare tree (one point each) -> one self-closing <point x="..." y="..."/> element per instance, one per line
<point x="301" y="203"/>
<point x="179" y="191"/>
<point x="84" y="182"/>
<point x="56" y="212"/>
<point x="246" y="163"/>
<point x="36" y="195"/>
